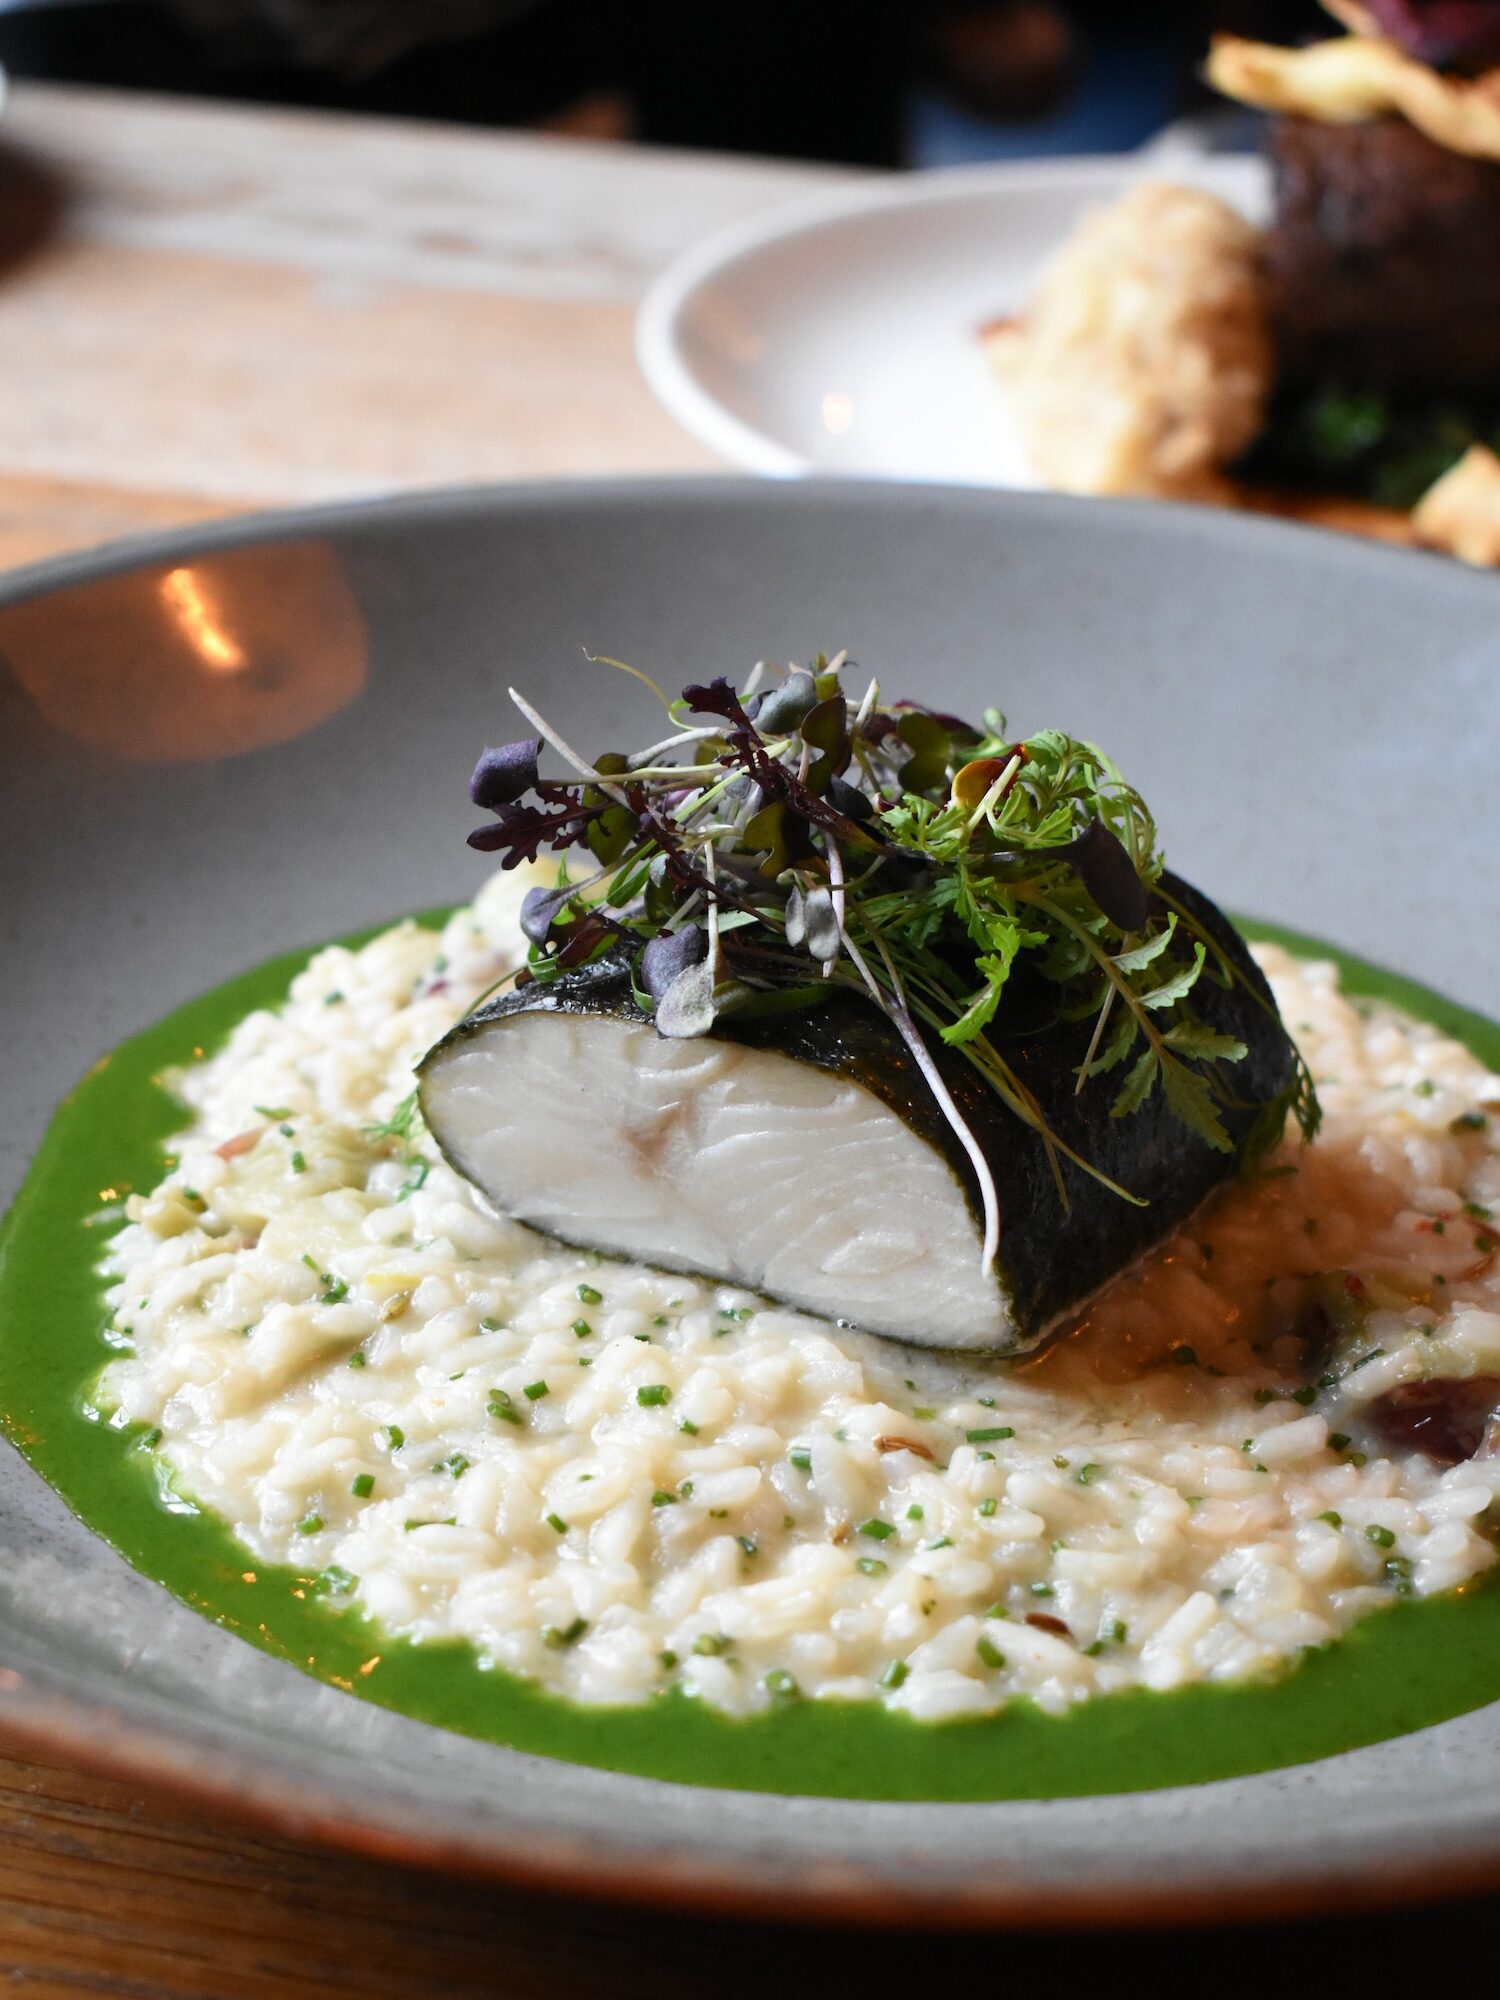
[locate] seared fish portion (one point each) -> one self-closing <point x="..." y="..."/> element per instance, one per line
<point x="804" y="1156"/>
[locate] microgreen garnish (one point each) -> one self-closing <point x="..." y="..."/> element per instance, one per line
<point x="787" y="842"/>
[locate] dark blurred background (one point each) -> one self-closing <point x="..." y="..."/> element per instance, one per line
<point x="867" y="82"/>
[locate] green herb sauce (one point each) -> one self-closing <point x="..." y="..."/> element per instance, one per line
<point x="1401" y="1669"/>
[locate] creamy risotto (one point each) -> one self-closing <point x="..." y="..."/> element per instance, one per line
<point x="611" y="1479"/>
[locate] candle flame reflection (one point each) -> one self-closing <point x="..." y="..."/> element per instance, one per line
<point x="190" y="605"/>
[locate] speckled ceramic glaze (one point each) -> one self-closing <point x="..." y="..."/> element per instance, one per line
<point x="218" y="747"/>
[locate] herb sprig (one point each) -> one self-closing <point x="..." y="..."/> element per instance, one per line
<point x="787" y="841"/>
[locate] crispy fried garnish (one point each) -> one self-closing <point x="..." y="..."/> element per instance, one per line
<point x="1352" y="77"/>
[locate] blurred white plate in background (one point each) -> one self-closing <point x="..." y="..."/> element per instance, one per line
<point x="839" y="333"/>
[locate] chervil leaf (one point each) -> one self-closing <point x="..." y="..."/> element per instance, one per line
<point x="1178" y="986"/>
<point x="1137" y="1086"/>
<point x="1191" y="1103"/>
<point x="1192" y="1038"/>
<point x="1117" y="1044"/>
<point x="1142" y="955"/>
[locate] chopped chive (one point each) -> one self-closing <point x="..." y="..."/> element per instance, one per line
<point x="1042" y="1590"/>
<point x="334" y="1581"/>
<point x="687" y="1424"/>
<point x="896" y="1672"/>
<point x="751" y="1548"/>
<point x="711" y="1644"/>
<point x="878" y="1531"/>
<point x="1333" y="1520"/>
<point x="1305" y="1395"/>
<point x="989" y="1652"/>
<point x="557" y="1523"/>
<point x="569" y="1635"/>
<point x="490" y="1325"/>
<point x="668" y="1658"/>
<point x="1085" y="1474"/>
<point x="991" y="1435"/>
<point x="653" y="1395"/>
<point x="590" y="1295"/>
<point x="997" y="1610"/>
<point x="663" y="1499"/>
<point x="311" y="1524"/>
<point x="942" y="1542"/>
<point x="925" y="1414"/>
<point x="338" y="1290"/>
<point x="273" y="1111"/>
<point x="582" y="1329"/>
<point x="1116" y="1632"/>
<point x="914" y="1512"/>
<point x="501" y="1405"/>
<point x="987" y="1507"/>
<point x="801" y="1457"/>
<point x="780" y="1685"/>
<point x="534" y="1391"/>
<point x="395" y="1436"/>
<point x="357" y="1359"/>
<point x="455" y="1463"/>
<point x="872" y="1566"/>
<point x="299" y="1164"/>
<point x="1383" y="1538"/>
<point x="362" y="1485"/>
<point x="1338" y="1440"/>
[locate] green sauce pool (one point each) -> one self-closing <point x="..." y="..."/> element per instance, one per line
<point x="1401" y="1669"/>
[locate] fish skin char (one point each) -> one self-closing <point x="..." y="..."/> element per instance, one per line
<point x="1052" y="1259"/>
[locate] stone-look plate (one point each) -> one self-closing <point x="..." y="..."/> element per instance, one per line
<point x="217" y="746"/>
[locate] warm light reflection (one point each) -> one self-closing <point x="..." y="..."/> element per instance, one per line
<point x="838" y="411"/>
<point x="189" y="604"/>
<point x="371" y="1664"/>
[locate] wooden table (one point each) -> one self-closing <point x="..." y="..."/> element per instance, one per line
<point x="209" y="309"/>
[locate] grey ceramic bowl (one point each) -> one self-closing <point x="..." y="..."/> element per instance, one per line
<point x="217" y="746"/>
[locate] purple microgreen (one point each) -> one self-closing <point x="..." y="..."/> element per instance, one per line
<point x="784" y="707"/>
<point x="812" y="920"/>
<point x="686" y="1008"/>
<point x="665" y="959"/>
<point x="505" y="772"/>
<point x="1108" y="873"/>
<point x="539" y="912"/>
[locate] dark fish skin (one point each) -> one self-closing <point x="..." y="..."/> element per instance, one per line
<point x="1053" y="1256"/>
